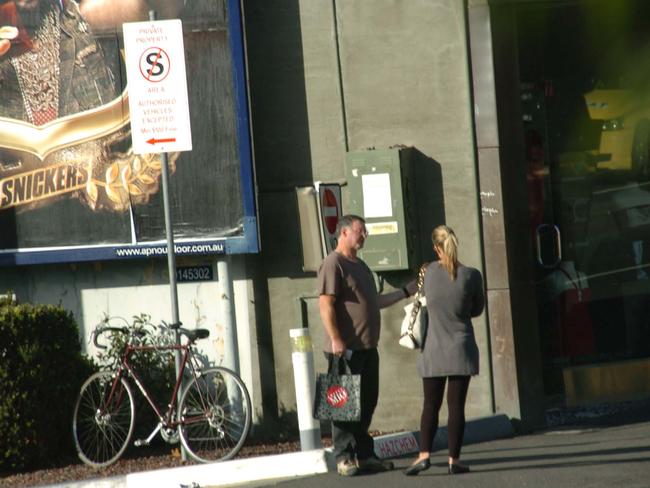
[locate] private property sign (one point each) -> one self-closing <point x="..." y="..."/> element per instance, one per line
<point x="157" y="87"/>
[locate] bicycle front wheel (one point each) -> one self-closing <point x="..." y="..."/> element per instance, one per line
<point x="215" y="415"/>
<point x="103" y="419"/>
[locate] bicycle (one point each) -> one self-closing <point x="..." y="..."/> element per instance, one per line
<point x="212" y="420"/>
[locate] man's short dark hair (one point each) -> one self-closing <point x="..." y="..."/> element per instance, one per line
<point x="347" y="221"/>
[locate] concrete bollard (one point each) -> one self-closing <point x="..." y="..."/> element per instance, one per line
<point x="302" y="356"/>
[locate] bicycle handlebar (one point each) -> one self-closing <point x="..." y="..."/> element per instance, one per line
<point x="192" y="335"/>
<point x="100" y="330"/>
<point x="123" y="330"/>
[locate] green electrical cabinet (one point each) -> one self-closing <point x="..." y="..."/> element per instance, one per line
<point x="381" y="189"/>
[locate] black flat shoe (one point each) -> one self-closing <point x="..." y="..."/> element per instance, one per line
<point x="414" y="469"/>
<point x="458" y="468"/>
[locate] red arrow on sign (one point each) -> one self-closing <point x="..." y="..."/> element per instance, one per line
<point x="153" y="141"/>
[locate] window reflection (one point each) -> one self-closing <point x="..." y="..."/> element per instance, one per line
<point x="585" y="98"/>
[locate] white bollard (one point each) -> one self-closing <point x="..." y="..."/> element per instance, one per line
<point x="302" y="356"/>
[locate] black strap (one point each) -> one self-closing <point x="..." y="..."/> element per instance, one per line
<point x="416" y="300"/>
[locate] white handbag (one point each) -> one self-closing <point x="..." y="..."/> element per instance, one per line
<point x="414" y="323"/>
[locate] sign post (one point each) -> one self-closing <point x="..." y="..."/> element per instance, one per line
<point x="160" y="117"/>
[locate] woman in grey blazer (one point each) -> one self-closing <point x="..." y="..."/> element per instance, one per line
<point x="449" y="356"/>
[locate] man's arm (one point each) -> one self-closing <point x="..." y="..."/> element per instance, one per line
<point x="328" y="316"/>
<point x="387" y="299"/>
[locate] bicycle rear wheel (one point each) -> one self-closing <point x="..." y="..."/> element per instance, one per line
<point x="215" y="415"/>
<point x="103" y="419"/>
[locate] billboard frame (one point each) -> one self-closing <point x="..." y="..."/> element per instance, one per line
<point x="247" y="242"/>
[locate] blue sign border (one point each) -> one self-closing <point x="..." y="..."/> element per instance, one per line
<point x="246" y="243"/>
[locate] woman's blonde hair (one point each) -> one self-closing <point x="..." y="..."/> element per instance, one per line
<point x="444" y="239"/>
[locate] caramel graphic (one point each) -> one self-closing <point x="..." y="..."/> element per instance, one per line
<point x="65" y="131"/>
<point x="87" y="155"/>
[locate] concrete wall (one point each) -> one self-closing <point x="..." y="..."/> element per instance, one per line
<point x="127" y="288"/>
<point x="331" y="76"/>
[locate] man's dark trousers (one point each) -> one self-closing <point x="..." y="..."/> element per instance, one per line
<point x="351" y="438"/>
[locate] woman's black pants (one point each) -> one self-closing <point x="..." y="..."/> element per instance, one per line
<point x="434" y="389"/>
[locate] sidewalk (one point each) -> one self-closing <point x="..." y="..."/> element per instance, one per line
<point x="597" y="456"/>
<point x="286" y="466"/>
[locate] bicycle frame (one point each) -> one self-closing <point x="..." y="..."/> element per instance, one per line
<point x="167" y="419"/>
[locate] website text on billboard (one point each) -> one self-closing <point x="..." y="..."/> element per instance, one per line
<point x="161" y="250"/>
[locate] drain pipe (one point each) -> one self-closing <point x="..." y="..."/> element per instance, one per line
<point x="231" y="346"/>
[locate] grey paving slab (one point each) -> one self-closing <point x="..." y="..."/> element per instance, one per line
<point x="591" y="457"/>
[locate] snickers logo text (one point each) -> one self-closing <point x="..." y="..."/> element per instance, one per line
<point x="40" y="184"/>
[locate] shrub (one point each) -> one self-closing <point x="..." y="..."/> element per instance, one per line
<point x="41" y="371"/>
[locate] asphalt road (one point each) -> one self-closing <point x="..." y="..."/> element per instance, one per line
<point x="568" y="457"/>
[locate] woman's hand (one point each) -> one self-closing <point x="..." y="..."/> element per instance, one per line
<point x="7" y="34"/>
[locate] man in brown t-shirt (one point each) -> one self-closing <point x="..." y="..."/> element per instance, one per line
<point x="349" y="308"/>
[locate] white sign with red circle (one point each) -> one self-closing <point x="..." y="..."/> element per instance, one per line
<point x="329" y="196"/>
<point x="157" y="86"/>
<point x="154" y="64"/>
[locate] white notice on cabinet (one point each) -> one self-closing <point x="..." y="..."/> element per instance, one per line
<point x="377" y="201"/>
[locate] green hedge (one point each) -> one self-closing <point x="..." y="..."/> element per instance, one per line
<point x="41" y="371"/>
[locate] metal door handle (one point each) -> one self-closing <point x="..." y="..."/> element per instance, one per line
<point x="558" y="245"/>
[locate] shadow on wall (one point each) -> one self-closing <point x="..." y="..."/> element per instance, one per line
<point x="280" y="123"/>
<point x="277" y="94"/>
<point x="283" y="428"/>
<point x="282" y="149"/>
<point x="429" y="200"/>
